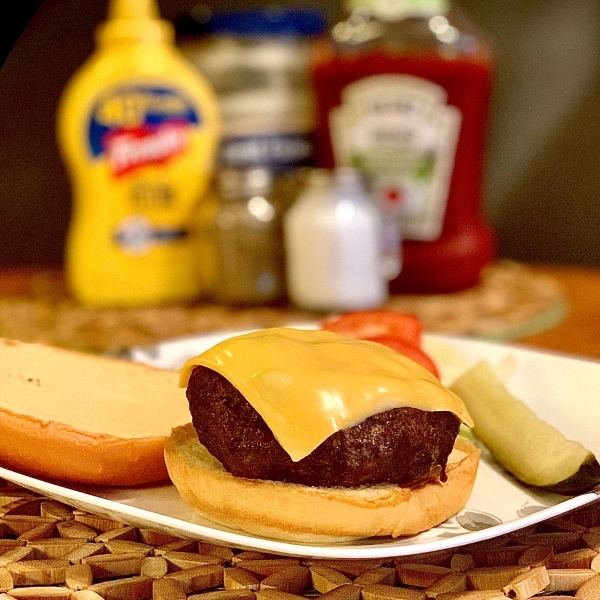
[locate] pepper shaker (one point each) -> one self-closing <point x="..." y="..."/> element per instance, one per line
<point x="248" y="239"/>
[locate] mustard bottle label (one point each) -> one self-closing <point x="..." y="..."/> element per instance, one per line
<point x="135" y="126"/>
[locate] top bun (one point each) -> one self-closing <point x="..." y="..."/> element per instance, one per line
<point x="85" y="418"/>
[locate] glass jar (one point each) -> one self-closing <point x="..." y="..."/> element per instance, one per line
<point x="248" y="238"/>
<point x="258" y="63"/>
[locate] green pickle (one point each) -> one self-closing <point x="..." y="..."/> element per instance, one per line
<point x="532" y="450"/>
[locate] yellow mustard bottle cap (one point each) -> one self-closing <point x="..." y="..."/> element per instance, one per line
<point x="133" y="9"/>
<point x="134" y="20"/>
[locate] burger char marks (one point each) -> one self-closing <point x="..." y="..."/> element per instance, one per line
<point x="404" y="446"/>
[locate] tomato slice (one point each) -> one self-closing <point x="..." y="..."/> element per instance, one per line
<point x="373" y="323"/>
<point x="407" y="349"/>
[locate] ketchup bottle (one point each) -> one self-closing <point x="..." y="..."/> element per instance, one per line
<point x="402" y="95"/>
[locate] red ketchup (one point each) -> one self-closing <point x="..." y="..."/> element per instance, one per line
<point x="409" y="109"/>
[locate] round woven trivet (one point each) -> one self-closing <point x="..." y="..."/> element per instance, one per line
<point x="511" y="301"/>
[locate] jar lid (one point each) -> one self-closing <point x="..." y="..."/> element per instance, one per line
<point x="272" y="20"/>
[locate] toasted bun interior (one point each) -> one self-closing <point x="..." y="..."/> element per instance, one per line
<point x="85" y="418"/>
<point x="298" y="513"/>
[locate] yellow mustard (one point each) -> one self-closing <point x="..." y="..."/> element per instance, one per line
<point x="307" y="384"/>
<point x="138" y="127"/>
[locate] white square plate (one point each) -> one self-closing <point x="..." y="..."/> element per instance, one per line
<point x="562" y="390"/>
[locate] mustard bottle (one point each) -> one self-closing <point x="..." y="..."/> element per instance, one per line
<point x="138" y="128"/>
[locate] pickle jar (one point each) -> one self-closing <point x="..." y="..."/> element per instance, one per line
<point x="248" y="238"/>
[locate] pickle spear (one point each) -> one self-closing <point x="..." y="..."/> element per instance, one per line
<point x="532" y="450"/>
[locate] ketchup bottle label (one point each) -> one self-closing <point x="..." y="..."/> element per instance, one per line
<point x="401" y="134"/>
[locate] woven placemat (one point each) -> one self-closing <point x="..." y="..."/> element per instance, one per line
<point x="511" y="301"/>
<point x="50" y="550"/>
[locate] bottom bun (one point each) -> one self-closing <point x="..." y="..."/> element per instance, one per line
<point x="300" y="513"/>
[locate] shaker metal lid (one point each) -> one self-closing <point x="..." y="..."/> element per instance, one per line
<point x="234" y="183"/>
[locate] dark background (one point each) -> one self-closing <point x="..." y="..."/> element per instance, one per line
<point x="543" y="163"/>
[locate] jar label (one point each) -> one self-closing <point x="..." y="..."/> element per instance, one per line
<point x="401" y="134"/>
<point x="277" y="151"/>
<point x="135" y="126"/>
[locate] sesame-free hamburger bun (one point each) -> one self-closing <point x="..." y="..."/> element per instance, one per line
<point x="285" y="424"/>
<point x="85" y="418"/>
<point x="300" y="513"/>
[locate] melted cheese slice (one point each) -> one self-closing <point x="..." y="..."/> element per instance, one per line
<point x="308" y="384"/>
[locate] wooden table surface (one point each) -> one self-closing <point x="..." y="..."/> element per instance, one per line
<point x="578" y="333"/>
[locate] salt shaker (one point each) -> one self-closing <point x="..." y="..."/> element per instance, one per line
<point x="334" y="240"/>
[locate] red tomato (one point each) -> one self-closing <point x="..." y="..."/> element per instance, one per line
<point x="373" y="323"/>
<point x="408" y="350"/>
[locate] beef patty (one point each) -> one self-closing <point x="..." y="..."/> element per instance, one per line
<point x="404" y="446"/>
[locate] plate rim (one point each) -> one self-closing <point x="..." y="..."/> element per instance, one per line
<point x="332" y="551"/>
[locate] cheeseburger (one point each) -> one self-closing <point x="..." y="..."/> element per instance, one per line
<point x="312" y="436"/>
